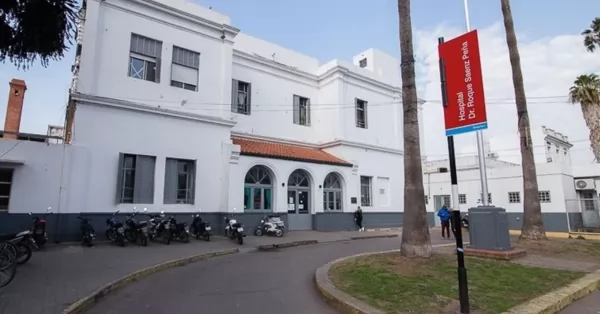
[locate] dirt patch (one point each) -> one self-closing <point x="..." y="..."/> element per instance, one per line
<point x="401" y="285"/>
<point x="567" y="249"/>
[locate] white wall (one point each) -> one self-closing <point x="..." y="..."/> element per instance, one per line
<point x="501" y="181"/>
<point x="154" y="135"/>
<point x="376" y="164"/>
<point x="105" y="58"/>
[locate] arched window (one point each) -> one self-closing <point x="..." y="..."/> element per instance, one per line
<point x="258" y="189"/>
<point x="332" y="192"/>
<point x="298" y="178"/>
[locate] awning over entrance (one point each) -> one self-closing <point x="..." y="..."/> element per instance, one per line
<point x="267" y="149"/>
<point x="10" y="163"/>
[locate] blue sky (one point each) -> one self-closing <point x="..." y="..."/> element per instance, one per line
<point x="325" y="29"/>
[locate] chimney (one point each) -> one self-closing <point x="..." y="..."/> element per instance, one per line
<point x="14" y="108"/>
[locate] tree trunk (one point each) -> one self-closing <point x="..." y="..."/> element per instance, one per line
<point x="415" y="230"/>
<point x="591" y="115"/>
<point x="533" y="225"/>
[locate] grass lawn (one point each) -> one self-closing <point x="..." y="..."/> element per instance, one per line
<point x="398" y="285"/>
<point x="568" y="249"/>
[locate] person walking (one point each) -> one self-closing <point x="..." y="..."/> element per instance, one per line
<point x="358" y="217"/>
<point x="445" y="215"/>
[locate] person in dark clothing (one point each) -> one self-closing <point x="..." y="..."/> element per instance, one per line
<point x="445" y="215"/>
<point x="358" y="217"/>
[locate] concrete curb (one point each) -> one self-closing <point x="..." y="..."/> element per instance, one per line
<point x="273" y="247"/>
<point x="341" y="301"/>
<point x="557" y="300"/>
<point x="83" y="304"/>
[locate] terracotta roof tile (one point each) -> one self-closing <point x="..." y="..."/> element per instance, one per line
<point x="276" y="150"/>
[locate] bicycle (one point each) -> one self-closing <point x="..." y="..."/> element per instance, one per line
<point x="8" y="263"/>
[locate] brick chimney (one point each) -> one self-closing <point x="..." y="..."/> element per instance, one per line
<point x="14" y="108"/>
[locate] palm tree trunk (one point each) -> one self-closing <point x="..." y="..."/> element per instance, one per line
<point x="533" y="225"/>
<point x="591" y="115"/>
<point x="415" y="230"/>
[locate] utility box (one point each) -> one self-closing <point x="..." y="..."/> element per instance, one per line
<point x="488" y="228"/>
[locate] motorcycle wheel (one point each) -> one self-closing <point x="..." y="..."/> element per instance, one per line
<point x="130" y="235"/>
<point x="168" y="237"/>
<point x="144" y="240"/>
<point x="229" y="234"/>
<point x="23" y="253"/>
<point x="111" y="235"/>
<point x="207" y="237"/>
<point x="185" y="237"/>
<point x="279" y="233"/>
<point x="240" y="239"/>
<point x="258" y="232"/>
<point x="121" y="240"/>
<point x="8" y="266"/>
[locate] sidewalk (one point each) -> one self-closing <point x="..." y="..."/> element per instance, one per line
<point x="60" y="275"/>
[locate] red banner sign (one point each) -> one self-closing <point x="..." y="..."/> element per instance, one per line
<point x="465" y="108"/>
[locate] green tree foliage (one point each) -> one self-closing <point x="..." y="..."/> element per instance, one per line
<point x="32" y="29"/>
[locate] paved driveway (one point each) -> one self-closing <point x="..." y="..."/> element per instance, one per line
<point x="250" y="283"/>
<point x="588" y="305"/>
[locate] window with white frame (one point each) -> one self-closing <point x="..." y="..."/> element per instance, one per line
<point x="361" y="113"/>
<point x="144" y="58"/>
<point x="489" y="198"/>
<point x="6" y="176"/>
<point x="241" y="93"/>
<point x="185" y="68"/>
<point x="366" y="191"/>
<point x="301" y="110"/>
<point x="462" y="198"/>
<point x="544" y="196"/>
<point x="135" y="179"/>
<point x="514" y="197"/>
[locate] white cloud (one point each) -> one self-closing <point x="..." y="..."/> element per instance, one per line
<point x="549" y="66"/>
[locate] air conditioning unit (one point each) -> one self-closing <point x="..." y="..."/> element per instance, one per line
<point x="585" y="184"/>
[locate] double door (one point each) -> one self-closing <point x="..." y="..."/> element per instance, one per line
<point x="299" y="216"/>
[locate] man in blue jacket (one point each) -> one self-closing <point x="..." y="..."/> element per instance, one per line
<point x="445" y="215"/>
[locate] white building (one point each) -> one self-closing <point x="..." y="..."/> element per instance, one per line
<point x="173" y="108"/>
<point x="562" y="188"/>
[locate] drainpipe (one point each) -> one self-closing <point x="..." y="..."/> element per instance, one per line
<point x="60" y="192"/>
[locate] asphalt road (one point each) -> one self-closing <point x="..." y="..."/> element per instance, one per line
<point x="250" y="283"/>
<point x="588" y="305"/>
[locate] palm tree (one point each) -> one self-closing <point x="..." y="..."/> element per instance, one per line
<point x="591" y="36"/>
<point x="415" y="231"/>
<point x="533" y="225"/>
<point x="586" y="92"/>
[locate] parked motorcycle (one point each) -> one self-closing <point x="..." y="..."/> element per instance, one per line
<point x="39" y="228"/>
<point x="88" y="234"/>
<point x="269" y="225"/>
<point x="233" y="229"/>
<point x="464" y="222"/>
<point x="200" y="228"/>
<point x="23" y="243"/>
<point x="160" y="227"/>
<point x="179" y="231"/>
<point x="114" y="230"/>
<point x="136" y="231"/>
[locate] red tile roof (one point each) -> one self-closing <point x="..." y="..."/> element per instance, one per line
<point x="276" y="150"/>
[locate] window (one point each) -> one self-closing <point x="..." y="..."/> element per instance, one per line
<point x="258" y="189"/>
<point x="6" y="176"/>
<point x="361" y="113"/>
<point x="426" y="200"/>
<point x="144" y="58"/>
<point x="241" y="93"/>
<point x="489" y="198"/>
<point x="462" y="198"/>
<point x="514" y="197"/>
<point x="135" y="179"/>
<point x="365" y="191"/>
<point x="180" y="181"/>
<point x="362" y="63"/>
<point x="184" y="69"/>
<point x="544" y="196"/>
<point x="301" y="111"/>
<point x="332" y="192"/>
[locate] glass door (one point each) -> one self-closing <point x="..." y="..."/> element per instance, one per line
<point x="291" y="202"/>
